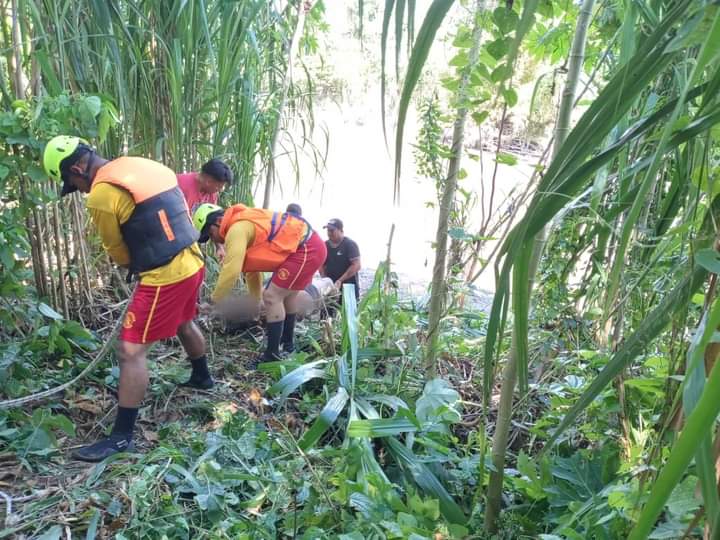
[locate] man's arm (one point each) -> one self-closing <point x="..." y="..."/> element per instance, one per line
<point x="353" y="269"/>
<point x="109" y="207"/>
<point x="254" y="284"/>
<point x="238" y="239"/>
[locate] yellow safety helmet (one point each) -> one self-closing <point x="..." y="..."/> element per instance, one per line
<point x="56" y="150"/>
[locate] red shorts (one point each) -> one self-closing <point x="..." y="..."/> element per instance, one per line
<point x="156" y="311"/>
<point x="297" y="271"/>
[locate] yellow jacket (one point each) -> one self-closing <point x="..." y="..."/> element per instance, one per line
<point x="110" y="207"/>
<point x="240" y="235"/>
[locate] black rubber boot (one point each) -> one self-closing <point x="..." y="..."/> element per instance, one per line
<point x="114" y="444"/>
<point x="288" y="335"/>
<point x="200" y="377"/>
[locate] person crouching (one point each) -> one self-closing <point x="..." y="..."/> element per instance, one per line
<point x="259" y="240"/>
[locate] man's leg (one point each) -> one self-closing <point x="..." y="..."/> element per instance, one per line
<point x="131" y="391"/>
<point x="288" y="334"/>
<point x="274" y="297"/>
<point x="193" y="342"/>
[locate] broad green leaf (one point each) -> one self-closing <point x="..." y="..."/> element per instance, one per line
<point x="436" y="394"/>
<point x="498" y="48"/>
<point x="709" y="259"/>
<point x="49" y="312"/>
<point x="505" y="19"/>
<point x="510" y="97"/>
<point x="460" y="60"/>
<point x="683" y="500"/>
<point x="480" y="117"/>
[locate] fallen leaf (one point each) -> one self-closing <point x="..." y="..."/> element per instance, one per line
<point x="86" y="406"/>
<point x="150" y="435"/>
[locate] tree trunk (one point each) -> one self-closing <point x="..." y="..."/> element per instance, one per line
<point x="437" y="288"/>
<point x="502" y="428"/>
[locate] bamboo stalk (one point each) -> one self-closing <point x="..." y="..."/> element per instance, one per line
<point x="438" y="287"/>
<point x="59" y="258"/>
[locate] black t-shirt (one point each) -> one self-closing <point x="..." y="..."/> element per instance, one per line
<point x="339" y="259"/>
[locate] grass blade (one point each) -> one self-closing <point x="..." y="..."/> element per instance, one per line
<point x="327" y="418"/>
<point x="293" y="380"/>
<point x="387" y="13"/>
<point x="426" y="480"/>
<point x="433" y="20"/>
<point x="381" y="427"/>
<point x="697" y="428"/>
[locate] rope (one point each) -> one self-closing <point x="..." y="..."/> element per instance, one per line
<point x="99" y="356"/>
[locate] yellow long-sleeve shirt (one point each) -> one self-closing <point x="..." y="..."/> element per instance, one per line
<point x="110" y="207"/>
<point x="239" y="237"/>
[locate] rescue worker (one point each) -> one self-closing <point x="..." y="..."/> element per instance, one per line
<point x="258" y="240"/>
<point x="205" y="187"/>
<point x="144" y="224"/>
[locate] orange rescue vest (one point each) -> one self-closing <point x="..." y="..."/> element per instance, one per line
<point x="277" y="235"/>
<point x="160" y="226"/>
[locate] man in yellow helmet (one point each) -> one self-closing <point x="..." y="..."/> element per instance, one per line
<point x="145" y="226"/>
<point x="258" y="240"/>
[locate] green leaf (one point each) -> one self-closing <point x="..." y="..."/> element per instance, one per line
<point x="327" y="418"/>
<point x="498" y="48"/>
<point x="93" y="525"/>
<point x="510" y="96"/>
<point x="697" y="427"/>
<point x="683" y="501"/>
<point x="436" y="394"/>
<point x="49" y="312"/>
<point x="463" y="39"/>
<point x="36" y="173"/>
<point x="432" y="22"/>
<point x="709" y="259"/>
<point x="383" y="427"/>
<point x="506" y="159"/>
<point x="387" y="14"/>
<point x="505" y="19"/>
<point x="53" y="533"/>
<point x="293" y="380"/>
<point x="460" y="60"/>
<point x="480" y="117"/>
<point x="501" y="73"/>
<point x="426" y="480"/>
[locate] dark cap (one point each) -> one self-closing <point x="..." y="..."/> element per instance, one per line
<point x="68" y="162"/>
<point x="334" y="224"/>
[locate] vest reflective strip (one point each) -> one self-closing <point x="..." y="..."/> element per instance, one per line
<point x="166" y="225"/>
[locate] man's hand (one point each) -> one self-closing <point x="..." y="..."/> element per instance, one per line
<point x="205" y="308"/>
<point x="338" y="285"/>
<point x="219" y="252"/>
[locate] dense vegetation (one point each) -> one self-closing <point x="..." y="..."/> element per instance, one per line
<point x="581" y="404"/>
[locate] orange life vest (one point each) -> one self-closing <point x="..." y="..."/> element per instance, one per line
<point x="160" y="226"/>
<point x="277" y="235"/>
